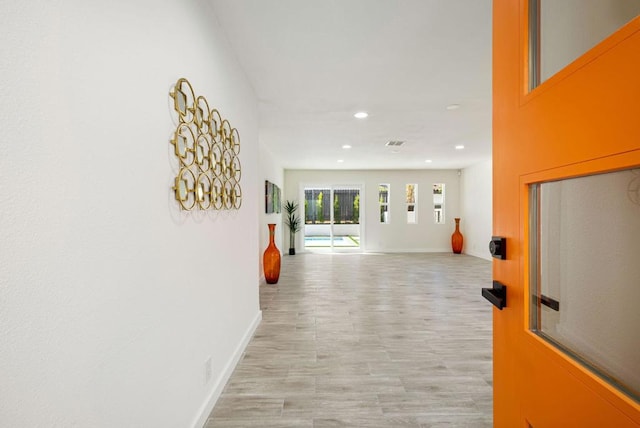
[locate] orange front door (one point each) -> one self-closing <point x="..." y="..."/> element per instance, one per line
<point x="583" y="120"/>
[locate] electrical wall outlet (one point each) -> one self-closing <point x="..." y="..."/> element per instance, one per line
<point x="208" y="370"/>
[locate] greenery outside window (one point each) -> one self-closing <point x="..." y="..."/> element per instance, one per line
<point x="412" y="206"/>
<point x="383" y="198"/>
<point x="438" y="203"/>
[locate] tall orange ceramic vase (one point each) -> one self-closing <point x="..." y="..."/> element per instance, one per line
<point x="457" y="239"/>
<point x="271" y="258"/>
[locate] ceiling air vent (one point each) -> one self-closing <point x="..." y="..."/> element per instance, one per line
<point x="394" y="143"/>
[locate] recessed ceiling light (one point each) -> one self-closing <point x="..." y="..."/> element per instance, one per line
<point x="428" y="161"/>
<point x="453" y="106"/>
<point x="346" y="146"/>
<point x="361" y="114"/>
<point x="459" y="147"/>
<point x="340" y="160"/>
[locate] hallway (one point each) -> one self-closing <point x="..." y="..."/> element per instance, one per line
<point x="367" y="340"/>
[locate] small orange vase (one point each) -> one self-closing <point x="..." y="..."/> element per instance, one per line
<point x="271" y="258"/>
<point x="457" y="239"/>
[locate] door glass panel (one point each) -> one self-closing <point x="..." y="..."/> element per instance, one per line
<point x="585" y="289"/>
<point x="332" y="218"/>
<point x="562" y="31"/>
<point x="346" y="217"/>
<point x="317" y="217"/>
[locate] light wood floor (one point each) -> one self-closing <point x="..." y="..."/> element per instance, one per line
<point x="367" y="340"/>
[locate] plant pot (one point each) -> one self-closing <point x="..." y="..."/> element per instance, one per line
<point x="271" y="258"/>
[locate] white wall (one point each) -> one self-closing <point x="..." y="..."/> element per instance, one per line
<point x="111" y="299"/>
<point x="398" y="236"/>
<point x="270" y="169"/>
<point x="477" y="209"/>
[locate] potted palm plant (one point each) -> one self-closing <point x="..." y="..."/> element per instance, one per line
<point x="293" y="223"/>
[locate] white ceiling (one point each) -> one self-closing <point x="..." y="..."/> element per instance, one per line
<point x="314" y="63"/>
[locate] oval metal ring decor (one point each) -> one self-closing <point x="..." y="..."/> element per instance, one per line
<point x="207" y="148"/>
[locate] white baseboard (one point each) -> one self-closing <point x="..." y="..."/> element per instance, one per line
<point x="481" y="255"/>
<point x="410" y="250"/>
<point x="220" y="383"/>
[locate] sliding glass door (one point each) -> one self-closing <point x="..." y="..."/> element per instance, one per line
<point x="332" y="218"/>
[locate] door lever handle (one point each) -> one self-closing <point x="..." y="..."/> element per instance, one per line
<point x="496" y="295"/>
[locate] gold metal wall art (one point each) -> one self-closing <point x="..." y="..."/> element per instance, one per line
<point x="207" y="148"/>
